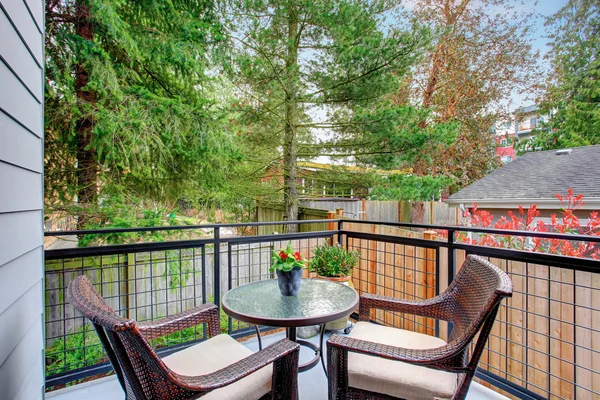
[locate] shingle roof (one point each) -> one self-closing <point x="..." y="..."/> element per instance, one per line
<point x="539" y="175"/>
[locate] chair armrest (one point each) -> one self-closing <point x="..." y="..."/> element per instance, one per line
<point x="206" y="313"/>
<point x="433" y="358"/>
<point x="436" y="307"/>
<point x="241" y="368"/>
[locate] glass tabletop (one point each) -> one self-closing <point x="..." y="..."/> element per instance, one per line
<point x="319" y="301"/>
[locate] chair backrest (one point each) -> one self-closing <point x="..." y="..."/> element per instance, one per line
<point x="140" y="371"/>
<point x="474" y="297"/>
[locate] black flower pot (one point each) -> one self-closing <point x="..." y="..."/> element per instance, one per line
<point x="290" y="281"/>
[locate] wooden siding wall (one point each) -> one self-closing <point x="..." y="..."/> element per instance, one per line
<point x="21" y="199"/>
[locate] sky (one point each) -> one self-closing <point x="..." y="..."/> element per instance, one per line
<point x="539" y="35"/>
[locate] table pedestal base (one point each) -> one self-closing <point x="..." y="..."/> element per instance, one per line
<point x="291" y="335"/>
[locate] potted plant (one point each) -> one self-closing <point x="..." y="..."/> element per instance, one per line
<point x="334" y="263"/>
<point x="288" y="265"/>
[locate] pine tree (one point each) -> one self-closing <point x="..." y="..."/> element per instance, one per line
<point x="129" y="109"/>
<point x="573" y="95"/>
<point x="309" y="66"/>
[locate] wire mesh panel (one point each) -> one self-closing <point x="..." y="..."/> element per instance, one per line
<point x="396" y="270"/>
<point x="141" y="286"/>
<point x="546" y="338"/>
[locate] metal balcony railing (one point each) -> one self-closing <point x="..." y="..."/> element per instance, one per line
<point x="545" y="343"/>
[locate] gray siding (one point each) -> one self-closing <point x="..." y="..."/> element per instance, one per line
<point x="21" y="199"/>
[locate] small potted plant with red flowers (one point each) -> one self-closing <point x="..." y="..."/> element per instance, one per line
<point x="288" y="265"/>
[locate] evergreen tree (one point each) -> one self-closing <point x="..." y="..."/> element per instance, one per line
<point x="129" y="109"/>
<point x="573" y="96"/>
<point x="306" y="67"/>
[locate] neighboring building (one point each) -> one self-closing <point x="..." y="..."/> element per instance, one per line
<point x="536" y="178"/>
<point x="316" y="180"/>
<point x="518" y="127"/>
<point x="525" y="120"/>
<point x="505" y="135"/>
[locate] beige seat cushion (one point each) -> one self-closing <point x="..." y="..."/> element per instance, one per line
<point x="216" y="353"/>
<point x="396" y="378"/>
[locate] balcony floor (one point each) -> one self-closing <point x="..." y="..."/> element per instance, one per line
<point x="313" y="383"/>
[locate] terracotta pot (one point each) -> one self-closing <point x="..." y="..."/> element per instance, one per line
<point x="342" y="322"/>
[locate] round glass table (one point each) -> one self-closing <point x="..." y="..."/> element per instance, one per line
<point x="319" y="302"/>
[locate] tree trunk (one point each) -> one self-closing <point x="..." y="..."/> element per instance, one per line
<point x="87" y="168"/>
<point x="290" y="189"/>
<point x="433" y="77"/>
<point x="451" y="13"/>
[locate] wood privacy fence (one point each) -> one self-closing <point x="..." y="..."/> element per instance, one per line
<point x="270" y="213"/>
<point x="414" y="212"/>
<point x="353" y="208"/>
<point x="418" y="212"/>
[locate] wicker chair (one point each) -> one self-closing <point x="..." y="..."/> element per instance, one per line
<point x="218" y="368"/>
<point x="379" y="362"/>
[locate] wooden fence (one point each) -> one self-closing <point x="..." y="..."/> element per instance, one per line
<point x="268" y="214"/>
<point x="430" y="212"/>
<point x="353" y="208"/>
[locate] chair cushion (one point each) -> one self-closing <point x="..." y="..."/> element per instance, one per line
<point x="216" y="353"/>
<point x="396" y="378"/>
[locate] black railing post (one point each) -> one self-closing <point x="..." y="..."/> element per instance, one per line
<point x="451" y="255"/>
<point x="451" y="267"/>
<point x="229" y="282"/>
<point x="217" y="266"/>
<point x="340" y="232"/>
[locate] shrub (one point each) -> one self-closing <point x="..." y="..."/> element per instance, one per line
<point x="333" y="261"/>
<point x="525" y="220"/>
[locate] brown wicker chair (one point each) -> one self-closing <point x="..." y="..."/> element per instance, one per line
<point x="218" y="368"/>
<point x="379" y="362"/>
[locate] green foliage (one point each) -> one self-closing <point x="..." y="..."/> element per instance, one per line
<point x="333" y="261"/>
<point x="116" y="213"/>
<point x="392" y="136"/>
<point x="286" y="259"/>
<point x="79" y="349"/>
<point x="291" y="61"/>
<point x="410" y="187"/>
<point x="157" y="125"/>
<point x="573" y="95"/>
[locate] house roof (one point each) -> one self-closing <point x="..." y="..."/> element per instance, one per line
<point x="536" y="178"/>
